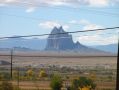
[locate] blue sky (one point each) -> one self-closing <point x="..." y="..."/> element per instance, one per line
<point x="19" y="17"/>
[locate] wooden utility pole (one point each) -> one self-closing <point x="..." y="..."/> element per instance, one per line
<point x="117" y="82"/>
<point x="11" y="62"/>
<point x="18" y="77"/>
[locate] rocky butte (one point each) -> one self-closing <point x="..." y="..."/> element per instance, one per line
<point x="64" y="42"/>
<point x="59" y="40"/>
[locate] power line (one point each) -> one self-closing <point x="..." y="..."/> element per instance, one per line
<point x="101" y="29"/>
<point x="86" y="35"/>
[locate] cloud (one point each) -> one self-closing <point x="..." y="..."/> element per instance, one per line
<point x="92" y="26"/>
<point x="1" y="5"/>
<point x="82" y="22"/>
<point x="10" y="1"/>
<point x="86" y="24"/>
<point x="97" y="39"/>
<point x="54" y="2"/>
<point x="98" y="3"/>
<point x="72" y="3"/>
<point x="51" y="24"/>
<point x="94" y="38"/>
<point x="30" y="9"/>
<point x="66" y="27"/>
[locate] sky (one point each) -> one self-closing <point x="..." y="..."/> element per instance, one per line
<point x="30" y="17"/>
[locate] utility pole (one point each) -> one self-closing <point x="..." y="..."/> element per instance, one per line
<point x="11" y="62"/>
<point x="18" y="77"/>
<point x="117" y="78"/>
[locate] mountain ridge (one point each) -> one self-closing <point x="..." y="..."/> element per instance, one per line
<point x="113" y="48"/>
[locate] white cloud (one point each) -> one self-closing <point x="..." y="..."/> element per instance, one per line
<point x="84" y="22"/>
<point x="94" y="38"/>
<point x="80" y="22"/>
<point x="30" y="9"/>
<point x="1" y="4"/>
<point x="92" y="26"/>
<point x="51" y="24"/>
<point x="97" y="40"/>
<point x="66" y="27"/>
<point x="54" y="2"/>
<point x="98" y="3"/>
<point x="10" y="1"/>
<point x="87" y="25"/>
<point x="73" y="22"/>
<point x="73" y="3"/>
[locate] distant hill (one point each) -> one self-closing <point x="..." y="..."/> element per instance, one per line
<point x="23" y="44"/>
<point x="2" y="62"/>
<point x="108" y="48"/>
